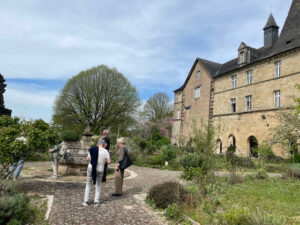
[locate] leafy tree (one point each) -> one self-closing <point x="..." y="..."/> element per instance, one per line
<point x="158" y="107"/>
<point x="39" y="135"/>
<point x="287" y="132"/>
<point x="100" y="96"/>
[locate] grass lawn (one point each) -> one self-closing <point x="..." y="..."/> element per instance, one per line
<point x="276" y="199"/>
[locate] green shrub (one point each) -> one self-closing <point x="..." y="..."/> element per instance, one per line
<point x="166" y="194"/>
<point x="245" y="162"/>
<point x="296" y="158"/>
<point x="70" y="135"/>
<point x="265" y="152"/>
<point x="236" y="217"/>
<point x="249" y="177"/>
<point x="275" y="168"/>
<point x="13" y="205"/>
<point x="188" y="148"/>
<point x="234" y="178"/>
<point x="173" y="212"/>
<point x="154" y="160"/>
<point x="168" y="152"/>
<point x="191" y="160"/>
<point x="261" y="174"/>
<point x="293" y="172"/>
<point x="231" y="158"/>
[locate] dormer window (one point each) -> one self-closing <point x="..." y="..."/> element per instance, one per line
<point x="242" y="56"/>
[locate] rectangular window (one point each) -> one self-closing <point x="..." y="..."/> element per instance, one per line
<point x="277" y="69"/>
<point x="233" y="105"/>
<point x="248" y="103"/>
<point x="242" y="57"/>
<point x="233" y="81"/>
<point x="178" y="114"/>
<point x="277" y="99"/>
<point x="197" y="92"/>
<point x="249" y="77"/>
<point x="198" y="75"/>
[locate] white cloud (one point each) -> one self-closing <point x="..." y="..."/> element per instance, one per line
<point x="29" y="102"/>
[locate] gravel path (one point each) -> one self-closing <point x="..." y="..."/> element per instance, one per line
<point x="128" y="209"/>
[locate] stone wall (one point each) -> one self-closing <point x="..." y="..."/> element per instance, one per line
<point x="192" y="109"/>
<point x="262" y="118"/>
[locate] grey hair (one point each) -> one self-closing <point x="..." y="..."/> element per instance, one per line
<point x="121" y="140"/>
<point x="101" y="142"/>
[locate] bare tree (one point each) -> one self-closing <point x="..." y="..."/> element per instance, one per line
<point x="100" y="96"/>
<point x="158" y="107"/>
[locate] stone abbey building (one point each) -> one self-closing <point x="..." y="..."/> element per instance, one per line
<point x="243" y="95"/>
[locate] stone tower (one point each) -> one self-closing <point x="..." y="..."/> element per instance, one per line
<point x="270" y="32"/>
<point x="3" y="110"/>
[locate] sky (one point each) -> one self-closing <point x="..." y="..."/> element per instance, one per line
<point x="153" y="43"/>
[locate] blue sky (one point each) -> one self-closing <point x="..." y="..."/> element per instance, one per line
<point x="153" y="43"/>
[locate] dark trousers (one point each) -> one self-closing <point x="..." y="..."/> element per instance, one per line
<point x="104" y="173"/>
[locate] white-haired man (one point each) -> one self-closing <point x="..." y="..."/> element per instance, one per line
<point x="119" y="173"/>
<point x="97" y="156"/>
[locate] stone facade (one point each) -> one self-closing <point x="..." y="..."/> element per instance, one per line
<point x="225" y="90"/>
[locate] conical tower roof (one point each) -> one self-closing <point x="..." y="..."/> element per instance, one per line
<point x="271" y="22"/>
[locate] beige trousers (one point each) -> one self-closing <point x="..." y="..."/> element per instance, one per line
<point x="119" y="175"/>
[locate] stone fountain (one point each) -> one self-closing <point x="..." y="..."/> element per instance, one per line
<point x="74" y="160"/>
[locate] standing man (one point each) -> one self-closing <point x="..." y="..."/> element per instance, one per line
<point x="119" y="173"/>
<point x="97" y="156"/>
<point x="56" y="152"/>
<point x="106" y="139"/>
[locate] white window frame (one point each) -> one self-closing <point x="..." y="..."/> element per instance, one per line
<point x="197" y="92"/>
<point x="277" y="69"/>
<point x="277" y="99"/>
<point x="232" y="101"/>
<point x="248" y="99"/>
<point x="249" y="77"/>
<point x="242" y="56"/>
<point x="233" y="81"/>
<point x="198" y="75"/>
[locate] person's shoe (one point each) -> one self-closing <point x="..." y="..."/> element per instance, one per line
<point x="8" y="178"/>
<point x="53" y="177"/>
<point x="85" y="203"/>
<point x="116" y="194"/>
<point x="96" y="204"/>
<point x="14" y="179"/>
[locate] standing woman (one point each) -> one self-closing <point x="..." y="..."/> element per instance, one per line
<point x="97" y="156"/>
<point x="119" y="173"/>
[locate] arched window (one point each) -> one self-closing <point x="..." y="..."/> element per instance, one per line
<point x="253" y="144"/>
<point x="219" y="146"/>
<point x="232" y="140"/>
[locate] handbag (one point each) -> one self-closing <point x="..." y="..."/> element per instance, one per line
<point x="126" y="162"/>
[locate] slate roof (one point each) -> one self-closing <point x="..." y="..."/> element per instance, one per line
<point x="289" y="39"/>
<point x="271" y="22"/>
<point x="210" y="66"/>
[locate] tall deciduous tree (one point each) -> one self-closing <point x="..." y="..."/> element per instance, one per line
<point x="100" y="96"/>
<point x="158" y="107"/>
